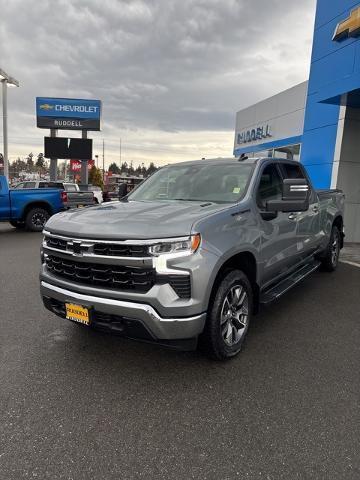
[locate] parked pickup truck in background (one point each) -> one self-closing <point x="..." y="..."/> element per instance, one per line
<point x="72" y="197"/>
<point x="30" y="208"/>
<point x="189" y="256"/>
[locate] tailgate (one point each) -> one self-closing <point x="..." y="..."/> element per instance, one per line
<point x="78" y="199"/>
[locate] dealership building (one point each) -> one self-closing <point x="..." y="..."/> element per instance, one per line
<point x="318" y="122"/>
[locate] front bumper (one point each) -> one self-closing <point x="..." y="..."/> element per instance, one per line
<point x="135" y="320"/>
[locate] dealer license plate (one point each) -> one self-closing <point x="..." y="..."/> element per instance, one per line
<point x="77" y="313"/>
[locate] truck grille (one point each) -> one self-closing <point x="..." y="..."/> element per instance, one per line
<point x="137" y="279"/>
<point x="58" y="243"/>
<point x="98" y="247"/>
<point x="119" y="250"/>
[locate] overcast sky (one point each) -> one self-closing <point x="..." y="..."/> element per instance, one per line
<point x="171" y="74"/>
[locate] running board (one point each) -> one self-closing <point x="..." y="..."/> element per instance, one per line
<point x="276" y="291"/>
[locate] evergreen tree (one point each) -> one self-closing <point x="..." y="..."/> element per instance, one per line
<point x="131" y="170"/>
<point x="30" y="162"/>
<point x="152" y="168"/>
<point x="113" y="168"/>
<point x="40" y="162"/>
<point x="95" y="177"/>
<point x="124" y="168"/>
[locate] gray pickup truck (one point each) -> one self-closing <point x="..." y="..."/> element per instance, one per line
<point x="72" y="196"/>
<point x="189" y="256"/>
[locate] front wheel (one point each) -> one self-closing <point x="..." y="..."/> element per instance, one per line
<point x="228" y="317"/>
<point x="330" y="259"/>
<point x="36" y="218"/>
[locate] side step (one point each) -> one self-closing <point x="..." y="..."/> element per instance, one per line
<point x="276" y="291"/>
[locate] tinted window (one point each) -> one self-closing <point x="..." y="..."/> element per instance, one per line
<point x="20" y="185"/>
<point x="70" y="188"/>
<point x="29" y="185"/>
<point x="292" y="171"/>
<point x="50" y="185"/>
<point x="270" y="187"/>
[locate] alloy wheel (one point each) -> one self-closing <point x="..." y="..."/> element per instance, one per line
<point x="335" y="249"/>
<point x="234" y="318"/>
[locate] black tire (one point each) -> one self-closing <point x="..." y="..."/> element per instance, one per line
<point x="224" y="332"/>
<point x="36" y="218"/>
<point x="330" y="259"/>
<point x="19" y="225"/>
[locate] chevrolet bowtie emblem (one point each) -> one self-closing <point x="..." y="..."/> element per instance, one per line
<point x="349" y="27"/>
<point x="46" y="106"/>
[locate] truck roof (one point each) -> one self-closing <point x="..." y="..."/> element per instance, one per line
<point x="231" y="161"/>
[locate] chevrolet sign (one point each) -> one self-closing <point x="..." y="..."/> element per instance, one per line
<point x="68" y="113"/>
<point x="349" y="27"/>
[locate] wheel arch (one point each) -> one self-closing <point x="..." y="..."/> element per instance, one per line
<point x="39" y="204"/>
<point x="247" y="263"/>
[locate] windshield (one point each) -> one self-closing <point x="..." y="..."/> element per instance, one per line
<point x="204" y="183"/>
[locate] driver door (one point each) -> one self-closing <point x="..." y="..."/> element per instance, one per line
<point x="278" y="230"/>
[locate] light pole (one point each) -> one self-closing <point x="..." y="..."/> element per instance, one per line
<point x="6" y="80"/>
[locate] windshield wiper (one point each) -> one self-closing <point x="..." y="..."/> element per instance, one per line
<point x="205" y="203"/>
<point x="188" y="199"/>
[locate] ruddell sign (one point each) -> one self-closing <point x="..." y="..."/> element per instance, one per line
<point x="68" y="113"/>
<point x="254" y="134"/>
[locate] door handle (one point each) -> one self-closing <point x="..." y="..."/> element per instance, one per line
<point x="315" y="209"/>
<point x="292" y="216"/>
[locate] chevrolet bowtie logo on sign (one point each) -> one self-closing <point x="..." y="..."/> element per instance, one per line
<point x="46" y="106"/>
<point x="349" y="27"/>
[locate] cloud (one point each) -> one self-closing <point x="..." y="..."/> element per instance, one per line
<point x="163" y="68"/>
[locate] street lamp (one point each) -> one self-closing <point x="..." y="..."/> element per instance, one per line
<point x="6" y="81"/>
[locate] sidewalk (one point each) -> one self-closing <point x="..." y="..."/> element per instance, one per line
<point x="351" y="254"/>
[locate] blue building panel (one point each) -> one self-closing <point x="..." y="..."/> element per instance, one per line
<point x="332" y="69"/>
<point x="323" y="44"/>
<point x="320" y="175"/>
<point x="327" y="10"/>
<point x="318" y="115"/>
<point x="335" y="71"/>
<point x="319" y="146"/>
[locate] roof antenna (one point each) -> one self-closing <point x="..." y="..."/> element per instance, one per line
<point x="242" y="157"/>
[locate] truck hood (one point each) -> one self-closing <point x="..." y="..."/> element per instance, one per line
<point x="132" y="220"/>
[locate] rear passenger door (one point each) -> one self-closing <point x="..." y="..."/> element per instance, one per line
<point x="278" y="231"/>
<point x="308" y="223"/>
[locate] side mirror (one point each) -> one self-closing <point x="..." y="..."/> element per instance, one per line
<point x="295" y="197"/>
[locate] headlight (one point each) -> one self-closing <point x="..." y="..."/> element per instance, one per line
<point x="187" y="246"/>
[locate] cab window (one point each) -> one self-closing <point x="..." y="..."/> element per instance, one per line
<point x="292" y="171"/>
<point x="70" y="188"/>
<point x="270" y="187"/>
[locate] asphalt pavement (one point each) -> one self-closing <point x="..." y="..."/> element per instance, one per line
<point x="77" y="404"/>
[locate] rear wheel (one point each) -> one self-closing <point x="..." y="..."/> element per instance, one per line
<point x="228" y="317"/>
<point x="330" y="259"/>
<point x="36" y="218"/>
